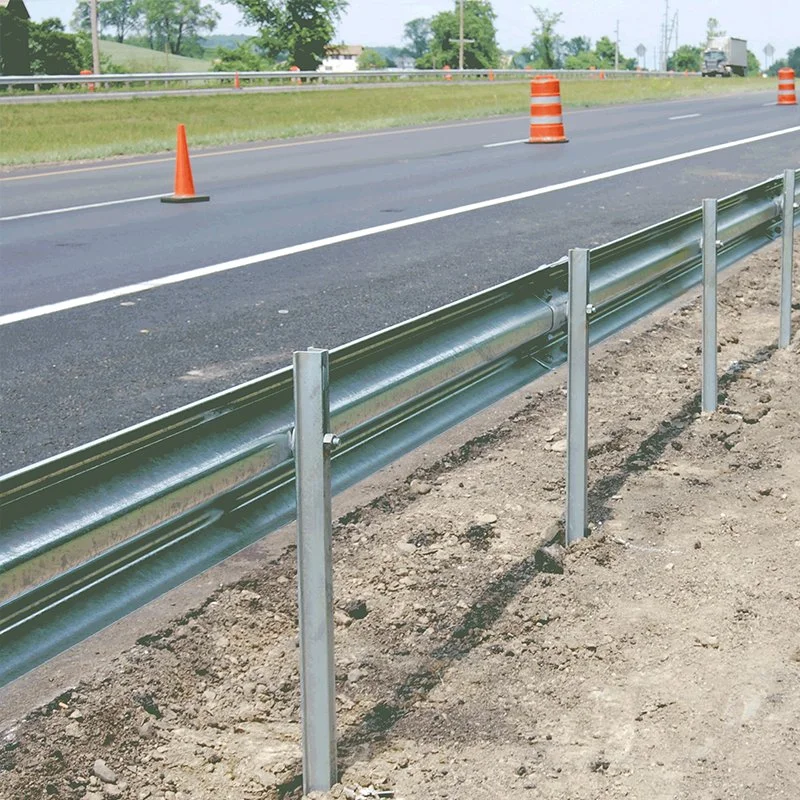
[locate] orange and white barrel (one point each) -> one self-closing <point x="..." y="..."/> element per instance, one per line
<point x="547" y="123"/>
<point x="786" y="92"/>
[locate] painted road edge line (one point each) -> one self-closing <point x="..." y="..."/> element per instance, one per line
<point x="685" y="116"/>
<point x="82" y="208"/>
<point x="214" y="269"/>
<point x="503" y="144"/>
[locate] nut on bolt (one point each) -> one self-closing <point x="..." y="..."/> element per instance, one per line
<point x="591" y="308"/>
<point x="331" y="440"/>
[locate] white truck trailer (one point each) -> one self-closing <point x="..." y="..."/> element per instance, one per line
<point x="724" y="57"/>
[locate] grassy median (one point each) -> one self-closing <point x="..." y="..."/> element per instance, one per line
<point x="47" y="132"/>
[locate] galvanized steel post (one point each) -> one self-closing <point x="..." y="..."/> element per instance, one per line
<point x="787" y="258"/>
<point x="709" y="392"/>
<point x="577" y="394"/>
<point x="312" y="444"/>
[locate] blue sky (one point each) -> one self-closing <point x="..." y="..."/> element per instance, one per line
<point x="380" y="22"/>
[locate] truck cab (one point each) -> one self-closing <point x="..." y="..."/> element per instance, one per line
<point x="714" y="63"/>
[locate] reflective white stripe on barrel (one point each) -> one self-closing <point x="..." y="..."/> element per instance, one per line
<point x="546" y="120"/>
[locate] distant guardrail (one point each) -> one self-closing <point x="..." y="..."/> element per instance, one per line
<point x="92" y="534"/>
<point x="310" y="78"/>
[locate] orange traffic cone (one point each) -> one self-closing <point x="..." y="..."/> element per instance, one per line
<point x="786" y="93"/>
<point x="184" y="184"/>
<point x="236" y="84"/>
<point x="547" y="124"/>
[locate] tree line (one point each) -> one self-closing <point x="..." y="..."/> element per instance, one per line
<point x="297" y="32"/>
<point x="174" y="26"/>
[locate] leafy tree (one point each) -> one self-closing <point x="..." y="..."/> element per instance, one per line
<point x="371" y="59"/>
<point x="602" y="57"/>
<point x="522" y="59"/>
<point x="52" y="51"/>
<point x="175" y="25"/>
<point x="299" y="30"/>
<point x="418" y="35"/>
<point x="577" y="45"/>
<point x="391" y="54"/>
<point x="546" y="47"/>
<point x="481" y="53"/>
<point x="753" y="65"/>
<point x="713" y="29"/>
<point x="245" y="57"/>
<point x="14" y="53"/>
<point x="586" y="59"/>
<point x="120" y="16"/>
<point x="792" y="60"/>
<point x="605" y="50"/>
<point x="81" y="21"/>
<point x="686" y="57"/>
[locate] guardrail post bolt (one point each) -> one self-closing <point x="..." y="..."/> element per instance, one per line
<point x="709" y="247"/>
<point x="578" y="312"/>
<point x="312" y="446"/>
<point x="787" y="258"/>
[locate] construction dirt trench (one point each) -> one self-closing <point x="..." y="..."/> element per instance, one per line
<point x="663" y="662"/>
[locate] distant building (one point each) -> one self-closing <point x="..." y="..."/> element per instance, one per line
<point x="341" y="58"/>
<point x="15" y="58"/>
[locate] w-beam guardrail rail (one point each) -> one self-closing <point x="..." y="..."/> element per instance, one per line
<point x="92" y="534"/>
<point x="310" y="78"/>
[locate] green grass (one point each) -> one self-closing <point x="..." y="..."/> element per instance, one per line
<point x="140" y="59"/>
<point x="48" y="132"/>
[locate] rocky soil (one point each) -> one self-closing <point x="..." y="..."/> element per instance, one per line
<point x="659" y="658"/>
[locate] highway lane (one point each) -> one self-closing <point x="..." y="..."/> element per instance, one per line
<point x="264" y="199"/>
<point x="72" y="376"/>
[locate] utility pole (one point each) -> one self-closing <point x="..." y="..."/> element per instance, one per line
<point x="95" y="37"/>
<point x="461" y="35"/>
<point x="616" y="48"/>
<point x="665" y="50"/>
<point x="461" y="40"/>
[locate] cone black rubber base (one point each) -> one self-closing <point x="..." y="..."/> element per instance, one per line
<point x="186" y="198"/>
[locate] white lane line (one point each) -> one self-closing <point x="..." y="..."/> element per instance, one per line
<point x="772" y="103"/>
<point x="81" y="208"/>
<point x="503" y="144"/>
<point x="685" y="116"/>
<point x="226" y="266"/>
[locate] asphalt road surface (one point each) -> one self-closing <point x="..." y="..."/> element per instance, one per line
<point x="128" y="308"/>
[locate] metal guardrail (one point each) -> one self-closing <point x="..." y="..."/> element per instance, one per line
<point x="92" y="534"/>
<point x="287" y="77"/>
